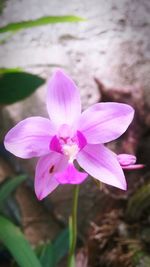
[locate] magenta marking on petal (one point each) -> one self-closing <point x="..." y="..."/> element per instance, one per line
<point x="55" y="145"/>
<point x="51" y="170"/>
<point x="81" y="140"/>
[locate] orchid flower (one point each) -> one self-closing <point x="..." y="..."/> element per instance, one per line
<point x="70" y="136"/>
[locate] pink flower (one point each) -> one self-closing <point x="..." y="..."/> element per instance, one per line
<point x="69" y="136"/>
<point x="128" y="161"/>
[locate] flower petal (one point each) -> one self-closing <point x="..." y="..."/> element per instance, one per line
<point x="81" y="140"/>
<point x="63" y="99"/>
<point x="102" y="164"/>
<point x="30" y="137"/>
<point x="133" y="167"/>
<point x="126" y="159"/>
<point x="55" y="144"/>
<point x="104" y="122"/>
<point x="45" y="175"/>
<point x="71" y="176"/>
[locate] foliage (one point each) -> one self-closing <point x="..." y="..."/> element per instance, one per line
<point x="16" y="85"/>
<point x="16" y="243"/>
<point x="39" y="22"/>
<point x="50" y="254"/>
<point x="9" y="186"/>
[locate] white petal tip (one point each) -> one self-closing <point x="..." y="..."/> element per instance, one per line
<point x="123" y="187"/>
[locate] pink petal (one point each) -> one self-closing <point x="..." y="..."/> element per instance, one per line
<point x="63" y="99"/>
<point x="81" y="140"/>
<point x="104" y="122"/>
<point x="71" y="176"/>
<point x="45" y="175"/>
<point x="126" y="159"/>
<point x="55" y="144"/>
<point x="102" y="164"/>
<point x="65" y="131"/>
<point x="30" y="137"/>
<point x="133" y="167"/>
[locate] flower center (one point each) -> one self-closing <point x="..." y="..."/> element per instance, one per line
<point x="67" y="142"/>
<point x="70" y="151"/>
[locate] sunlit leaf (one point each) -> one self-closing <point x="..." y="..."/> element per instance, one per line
<point x="18" y="246"/>
<point x="39" y="22"/>
<point x="15" y="86"/>
<point x="9" y="70"/>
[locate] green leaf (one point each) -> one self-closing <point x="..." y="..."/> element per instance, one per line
<point x="9" y="186"/>
<point x="39" y="22"/>
<point x="4" y="70"/>
<point x="15" y="86"/>
<point x="51" y="253"/>
<point x="14" y="240"/>
<point x="61" y="244"/>
<point x="11" y="210"/>
<point x="47" y="256"/>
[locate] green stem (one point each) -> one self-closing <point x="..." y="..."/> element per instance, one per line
<point x="73" y="228"/>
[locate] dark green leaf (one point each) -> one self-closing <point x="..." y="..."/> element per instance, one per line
<point x="11" y="210"/>
<point x="14" y="240"/>
<point x="39" y="22"/>
<point x="9" y="186"/>
<point x="51" y="253"/>
<point x="47" y="256"/>
<point x="15" y="86"/>
<point x="61" y="244"/>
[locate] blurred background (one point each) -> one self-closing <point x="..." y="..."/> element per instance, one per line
<point x="105" y="47"/>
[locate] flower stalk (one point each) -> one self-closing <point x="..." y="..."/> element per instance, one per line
<point x="73" y="228"/>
